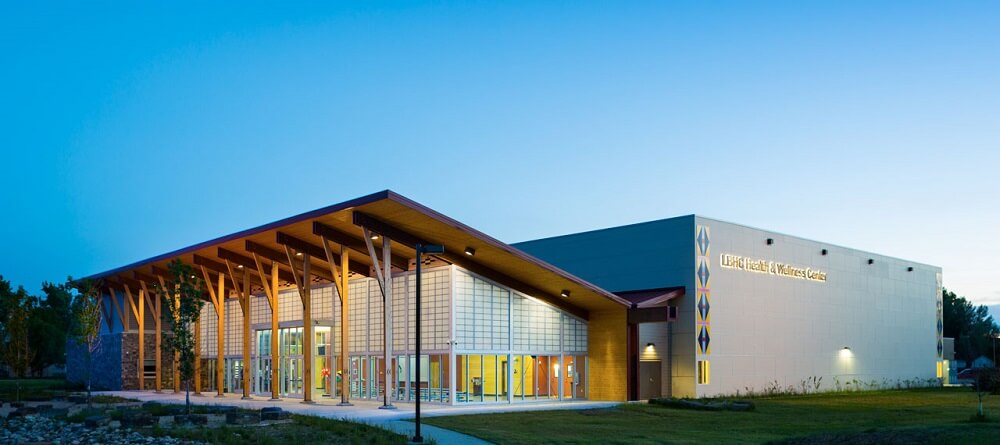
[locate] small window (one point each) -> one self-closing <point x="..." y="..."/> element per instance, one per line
<point x="704" y="372"/>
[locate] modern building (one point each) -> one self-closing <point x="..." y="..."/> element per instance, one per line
<point x="685" y="307"/>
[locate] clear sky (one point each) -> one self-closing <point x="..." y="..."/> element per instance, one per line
<point x="127" y="132"/>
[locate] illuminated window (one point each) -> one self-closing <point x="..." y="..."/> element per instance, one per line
<point x="704" y="372"/>
<point x="940" y="369"/>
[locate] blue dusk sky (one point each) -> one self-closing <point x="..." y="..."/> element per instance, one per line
<point x="128" y="131"/>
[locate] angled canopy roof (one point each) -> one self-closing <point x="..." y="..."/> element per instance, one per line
<point x="405" y="222"/>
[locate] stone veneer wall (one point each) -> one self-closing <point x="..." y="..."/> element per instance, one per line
<point x="130" y="361"/>
<point x="116" y="362"/>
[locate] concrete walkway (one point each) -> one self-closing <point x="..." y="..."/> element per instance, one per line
<point x="364" y="411"/>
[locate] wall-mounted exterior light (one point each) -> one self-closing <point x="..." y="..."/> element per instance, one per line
<point x="770" y="241"/>
<point x="823" y="252"/>
<point x="871" y="261"/>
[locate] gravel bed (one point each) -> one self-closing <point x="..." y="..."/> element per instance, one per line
<point x="38" y="429"/>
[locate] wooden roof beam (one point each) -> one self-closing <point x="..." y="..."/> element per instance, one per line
<point x="221" y="268"/>
<point x="318" y="253"/>
<point x="353" y="243"/>
<point x="281" y="258"/>
<point x="461" y="260"/>
<point x="246" y="261"/>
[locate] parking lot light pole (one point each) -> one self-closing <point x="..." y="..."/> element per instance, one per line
<point x="421" y="249"/>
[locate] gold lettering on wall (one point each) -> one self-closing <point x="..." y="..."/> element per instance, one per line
<point x="730" y="261"/>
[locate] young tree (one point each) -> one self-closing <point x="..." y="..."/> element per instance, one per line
<point x="15" y="315"/>
<point x="85" y="325"/>
<point x="49" y="325"/>
<point x="183" y="311"/>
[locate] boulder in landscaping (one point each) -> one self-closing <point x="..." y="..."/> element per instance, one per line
<point x="96" y="421"/>
<point x="242" y="418"/>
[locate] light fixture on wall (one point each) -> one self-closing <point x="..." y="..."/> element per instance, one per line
<point x="470" y="251"/>
<point x="909" y="269"/>
<point x="239" y="266"/>
<point x="822" y="252"/>
<point x="650" y="345"/>
<point x="564" y="293"/>
<point x="374" y="236"/>
<point x="770" y="241"/>
<point x="298" y="253"/>
<point x="846" y="353"/>
<point x="871" y="261"/>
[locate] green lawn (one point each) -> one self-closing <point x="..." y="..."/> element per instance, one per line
<point x="938" y="415"/>
<point x="31" y="388"/>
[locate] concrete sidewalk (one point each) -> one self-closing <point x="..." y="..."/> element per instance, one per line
<point x="365" y="411"/>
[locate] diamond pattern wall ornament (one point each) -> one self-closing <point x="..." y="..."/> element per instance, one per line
<point x="703" y="275"/>
<point x="702" y="241"/>
<point x="704" y="339"/>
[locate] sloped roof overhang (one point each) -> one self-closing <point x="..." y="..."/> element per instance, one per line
<point x="493" y="259"/>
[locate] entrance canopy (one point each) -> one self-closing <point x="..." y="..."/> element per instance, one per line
<point x="385" y="215"/>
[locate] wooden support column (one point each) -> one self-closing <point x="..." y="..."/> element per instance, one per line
<point x="385" y="284"/>
<point x="122" y="317"/>
<point x="142" y="338"/>
<point x="344" y="335"/>
<point x="340" y="276"/>
<point x="243" y="296"/>
<point x="303" y="281"/>
<point x="176" y="376"/>
<point x="246" y="333"/>
<point x="272" y="300"/>
<point x="197" y="355"/>
<point x="219" y="302"/>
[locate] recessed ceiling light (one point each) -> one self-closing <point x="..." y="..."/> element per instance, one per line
<point x="564" y="293"/>
<point x="470" y="251"/>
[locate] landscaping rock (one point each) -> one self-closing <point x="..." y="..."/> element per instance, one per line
<point x="273" y="413"/>
<point x="96" y="421"/>
<point x="56" y="412"/>
<point x="137" y="419"/>
<point x="191" y="420"/>
<point x="242" y="418"/>
<point x="42" y="430"/>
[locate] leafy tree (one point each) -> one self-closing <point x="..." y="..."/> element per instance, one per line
<point x="49" y="326"/>
<point x="182" y="312"/>
<point x="15" y="315"/>
<point x="971" y="326"/>
<point x="85" y="326"/>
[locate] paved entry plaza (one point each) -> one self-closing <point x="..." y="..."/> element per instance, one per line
<point x="365" y="411"/>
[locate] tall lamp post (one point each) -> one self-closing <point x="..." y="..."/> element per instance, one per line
<point x="421" y="249"/>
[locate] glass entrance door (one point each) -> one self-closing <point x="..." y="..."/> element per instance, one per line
<point x="291" y="376"/>
<point x="262" y="380"/>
